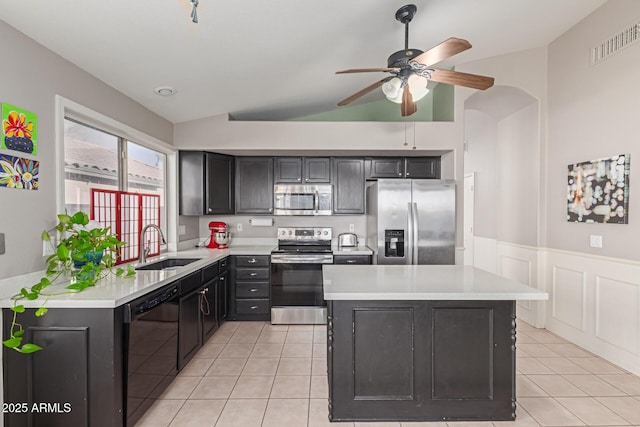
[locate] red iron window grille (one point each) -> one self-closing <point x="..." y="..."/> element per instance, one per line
<point x="127" y="214"/>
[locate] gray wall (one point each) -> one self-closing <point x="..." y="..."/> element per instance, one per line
<point x="593" y="113"/>
<point x="30" y="80"/>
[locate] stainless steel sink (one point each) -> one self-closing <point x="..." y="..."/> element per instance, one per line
<point x="168" y="264"/>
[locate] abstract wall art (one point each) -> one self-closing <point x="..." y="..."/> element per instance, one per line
<point x="19" y="130"/>
<point x="598" y="190"/>
<point x="16" y="172"/>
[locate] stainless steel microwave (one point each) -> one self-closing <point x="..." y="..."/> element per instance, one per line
<point x="294" y="199"/>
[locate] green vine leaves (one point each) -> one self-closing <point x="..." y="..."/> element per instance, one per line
<point x="83" y="256"/>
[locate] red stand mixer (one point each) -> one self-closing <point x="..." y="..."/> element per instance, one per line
<point x="219" y="235"/>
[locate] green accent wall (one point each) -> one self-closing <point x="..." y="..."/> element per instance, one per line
<point x="436" y="106"/>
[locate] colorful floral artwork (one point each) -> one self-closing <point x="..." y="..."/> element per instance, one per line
<point x="16" y="172"/>
<point x="598" y="190"/>
<point x="19" y="130"/>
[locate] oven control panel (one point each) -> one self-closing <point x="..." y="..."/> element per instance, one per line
<point x="305" y="233"/>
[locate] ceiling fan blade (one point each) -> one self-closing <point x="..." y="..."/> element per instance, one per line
<point x="444" y="50"/>
<point x="366" y="70"/>
<point x="362" y="92"/>
<point x="461" y="79"/>
<point x="408" y="107"/>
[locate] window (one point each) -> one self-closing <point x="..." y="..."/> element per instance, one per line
<point x="99" y="163"/>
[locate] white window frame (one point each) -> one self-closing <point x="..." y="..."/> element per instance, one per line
<point x="66" y="108"/>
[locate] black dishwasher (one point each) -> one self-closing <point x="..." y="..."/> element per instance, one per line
<point x="151" y="349"/>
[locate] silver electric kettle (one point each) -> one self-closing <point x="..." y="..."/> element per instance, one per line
<point x="347" y="240"/>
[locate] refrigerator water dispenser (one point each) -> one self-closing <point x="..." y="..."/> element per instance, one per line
<point x="394" y="243"/>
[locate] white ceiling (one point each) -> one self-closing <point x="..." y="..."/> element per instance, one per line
<point x="270" y="60"/>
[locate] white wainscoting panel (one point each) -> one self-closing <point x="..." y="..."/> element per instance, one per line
<point x="518" y="262"/>
<point x="568" y="296"/>
<point x="595" y="303"/>
<point x="618" y="313"/>
<point x="485" y="253"/>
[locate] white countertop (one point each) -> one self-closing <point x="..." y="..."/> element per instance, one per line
<point x="114" y="291"/>
<point x="421" y="282"/>
<point x="357" y="250"/>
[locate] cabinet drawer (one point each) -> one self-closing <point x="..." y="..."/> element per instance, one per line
<point x="252" y="306"/>
<point x="252" y="289"/>
<point x="210" y="271"/>
<point x="352" y="259"/>
<point x="224" y="264"/>
<point x="252" y="260"/>
<point x="252" y="274"/>
<point x="190" y="282"/>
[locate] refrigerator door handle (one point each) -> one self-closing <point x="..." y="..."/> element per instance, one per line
<point x="409" y="237"/>
<point x="414" y="238"/>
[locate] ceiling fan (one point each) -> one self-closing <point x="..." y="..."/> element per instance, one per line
<point x="411" y="70"/>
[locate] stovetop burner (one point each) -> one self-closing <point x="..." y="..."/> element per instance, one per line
<point x="297" y="240"/>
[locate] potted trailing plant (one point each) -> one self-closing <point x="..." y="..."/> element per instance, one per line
<point x="82" y="256"/>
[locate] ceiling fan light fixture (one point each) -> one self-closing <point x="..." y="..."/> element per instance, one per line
<point x="392" y="90"/>
<point x="417" y="86"/>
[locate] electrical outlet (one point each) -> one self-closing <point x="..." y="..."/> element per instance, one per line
<point x="182" y="229"/>
<point x="595" y="241"/>
<point x="239" y="227"/>
<point x="352" y="227"/>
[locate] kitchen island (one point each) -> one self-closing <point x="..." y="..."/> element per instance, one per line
<point x="421" y="343"/>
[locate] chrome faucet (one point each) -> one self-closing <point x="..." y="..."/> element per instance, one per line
<point x="145" y="249"/>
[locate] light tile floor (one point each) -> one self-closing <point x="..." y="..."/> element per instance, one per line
<point x="258" y="374"/>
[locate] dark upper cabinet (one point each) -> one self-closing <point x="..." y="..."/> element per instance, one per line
<point x="206" y="183"/>
<point x="254" y="185"/>
<point x="302" y="170"/>
<point x="317" y="169"/>
<point x="348" y="185"/>
<point x="403" y="167"/>
<point x="422" y="167"/>
<point x="288" y="169"/>
<point x="385" y="167"/>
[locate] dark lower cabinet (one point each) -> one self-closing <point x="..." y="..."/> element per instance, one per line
<point x="352" y="259"/>
<point x="421" y="360"/>
<point x="189" y="328"/>
<point x="209" y="308"/>
<point x="78" y="376"/>
<point x="249" y="291"/>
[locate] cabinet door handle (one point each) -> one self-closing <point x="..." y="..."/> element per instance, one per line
<point x="253" y="290"/>
<point x="222" y="279"/>
<point x="253" y="307"/>
<point x="252" y="261"/>
<point x="209" y="210"/>
<point x="351" y="261"/>
<point x="253" y="274"/>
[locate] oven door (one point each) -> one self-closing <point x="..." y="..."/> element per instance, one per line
<point x="297" y="296"/>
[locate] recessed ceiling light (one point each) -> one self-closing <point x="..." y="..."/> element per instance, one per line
<point x="165" y="90"/>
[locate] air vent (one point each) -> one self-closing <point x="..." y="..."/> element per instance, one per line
<point x="616" y="43"/>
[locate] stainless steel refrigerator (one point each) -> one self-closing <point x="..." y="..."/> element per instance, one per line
<point x="412" y="221"/>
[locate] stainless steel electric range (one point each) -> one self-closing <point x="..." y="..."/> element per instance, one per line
<point x="296" y="275"/>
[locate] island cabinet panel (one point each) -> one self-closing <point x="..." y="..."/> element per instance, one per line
<point x="388" y="372"/>
<point x="456" y="334"/>
<point x="81" y="365"/>
<point x="421" y="360"/>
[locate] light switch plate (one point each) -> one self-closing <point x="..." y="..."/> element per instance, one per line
<point x="239" y="227"/>
<point x="595" y="241"/>
<point x="1" y="243"/>
<point x="182" y="229"/>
